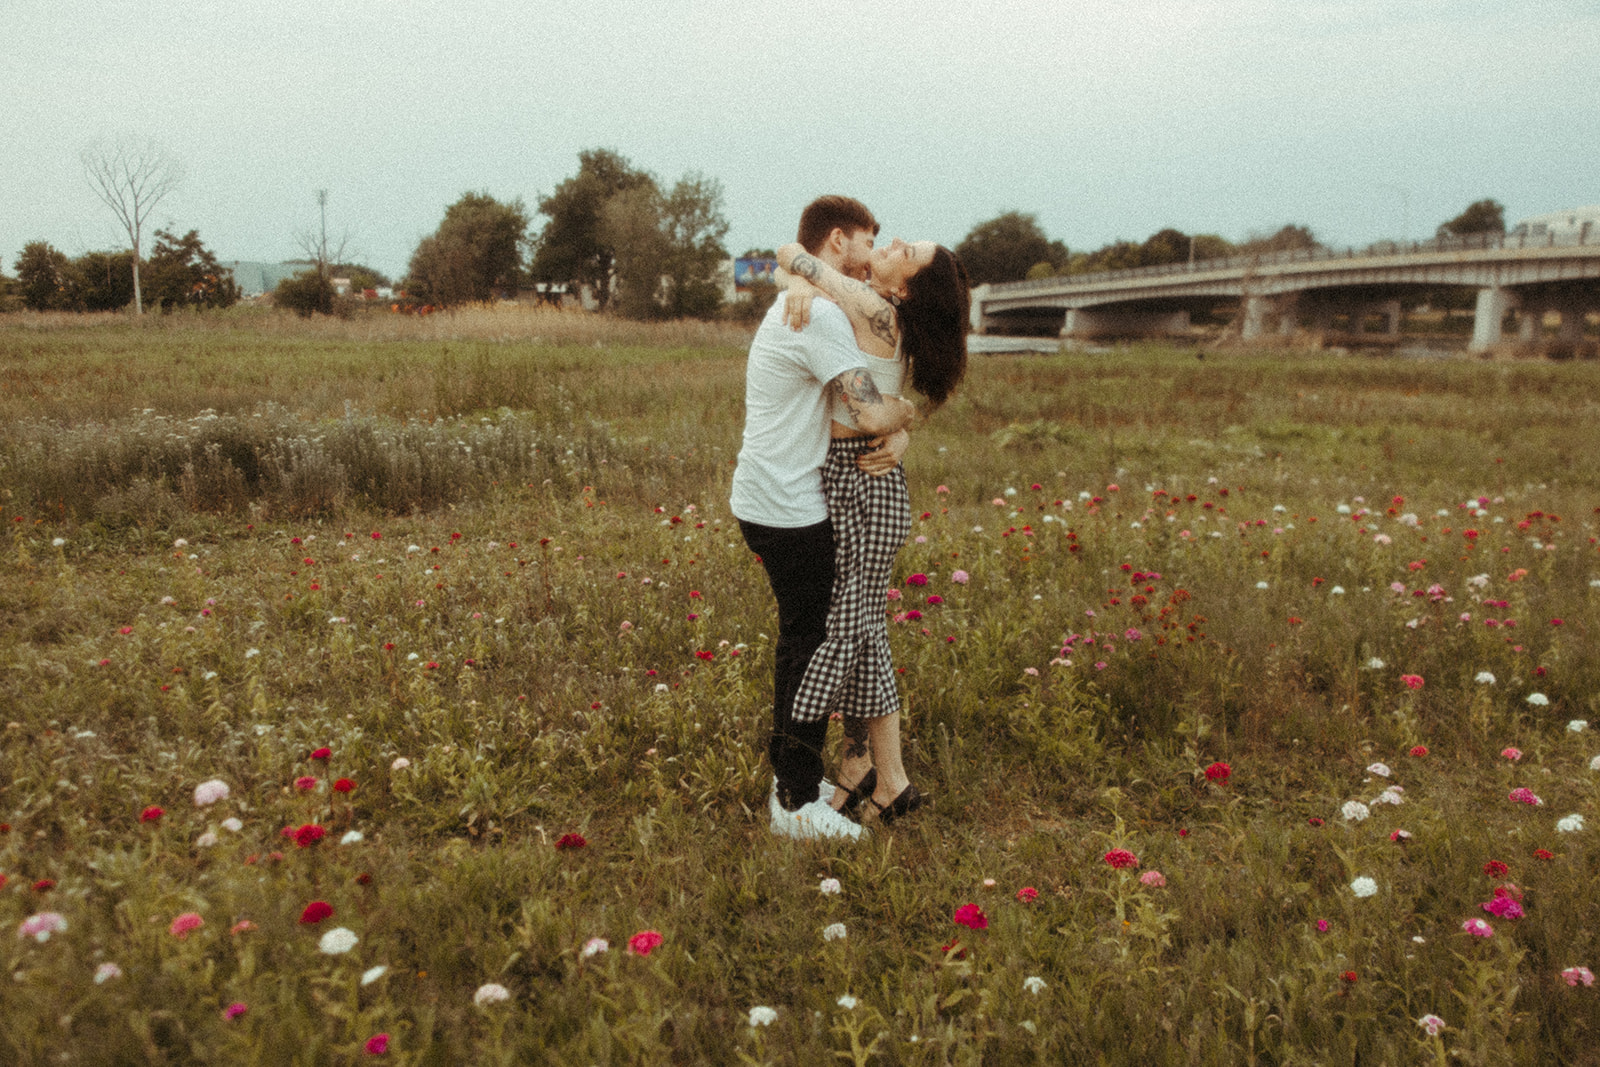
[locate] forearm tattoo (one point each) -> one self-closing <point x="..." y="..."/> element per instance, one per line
<point x="880" y="321"/>
<point x="857" y="390"/>
<point x="855" y="737"/>
<point x="807" y="266"/>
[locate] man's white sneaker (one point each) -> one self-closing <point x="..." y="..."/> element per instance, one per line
<point x="812" y="821"/>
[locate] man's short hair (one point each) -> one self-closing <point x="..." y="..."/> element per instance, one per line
<point x="827" y="213"/>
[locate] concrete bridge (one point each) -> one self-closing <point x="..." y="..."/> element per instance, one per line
<point x="1319" y="290"/>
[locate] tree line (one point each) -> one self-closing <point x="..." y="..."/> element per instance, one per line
<point x="1012" y="246"/>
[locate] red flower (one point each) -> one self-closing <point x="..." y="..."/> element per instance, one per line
<point x="1121" y="858"/>
<point x="571" y="841"/>
<point x="1218" y="772"/>
<point x="309" y="834"/>
<point x="376" y="536"/>
<point x="972" y="917"/>
<point x="377" y="1045"/>
<point x="343" y="785"/>
<point x="1419" y="751"/>
<point x="44" y="885"/>
<point x="705" y="655"/>
<point x="151" y="814"/>
<point x="1027" y="894"/>
<point x="1543" y="854"/>
<point x="324" y="752"/>
<point x="315" y="912"/>
<point x="1350" y="976"/>
<point x="1495" y="869"/>
<point x="644" y="942"/>
<point x="364" y="878"/>
<point x="953" y="950"/>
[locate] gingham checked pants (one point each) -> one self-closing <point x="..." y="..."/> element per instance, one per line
<point x="852" y="671"/>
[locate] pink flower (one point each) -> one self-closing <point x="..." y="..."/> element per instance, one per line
<point x="1478" y="928"/>
<point x="1413" y="681"/>
<point x="1574" y="975"/>
<point x="234" y="1010"/>
<point x="1027" y="894"/>
<point x="1121" y="858"/>
<point x="1524" y="795"/>
<point x="644" y="942"/>
<point x="376" y="1045"/>
<point x="41" y="926"/>
<point x="1154" y="879"/>
<point x="184" y="924"/>
<point x="960" y="577"/>
<point x="1512" y="754"/>
<point x="892" y="594"/>
<point x="942" y="489"/>
<point x="971" y="916"/>
<point x="1503" y="908"/>
<point x="1322" y="926"/>
<point x="305" y="782"/>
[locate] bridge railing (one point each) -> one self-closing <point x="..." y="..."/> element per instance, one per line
<point x="1470" y="242"/>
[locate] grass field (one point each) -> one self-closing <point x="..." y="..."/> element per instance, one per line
<point x="1242" y="687"/>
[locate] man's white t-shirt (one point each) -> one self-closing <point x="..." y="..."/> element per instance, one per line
<point x="778" y="479"/>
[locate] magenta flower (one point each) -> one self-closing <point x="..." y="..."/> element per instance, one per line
<point x="1524" y="795"/>
<point x="234" y="1010"/>
<point x="1513" y="754"/>
<point x="1121" y="859"/>
<point x="377" y="1045"/>
<point x="644" y="942"/>
<point x="184" y="924"/>
<point x="1503" y="908"/>
<point x="1478" y="928"/>
<point x="916" y="579"/>
<point x="971" y="916"/>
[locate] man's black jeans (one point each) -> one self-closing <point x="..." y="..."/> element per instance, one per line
<point x="799" y="565"/>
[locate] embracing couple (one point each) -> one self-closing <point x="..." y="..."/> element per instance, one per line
<point x="820" y="496"/>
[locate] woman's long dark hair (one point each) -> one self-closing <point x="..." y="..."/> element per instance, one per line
<point x="933" y="321"/>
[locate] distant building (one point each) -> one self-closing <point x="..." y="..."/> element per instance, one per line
<point x="258" y="279"/>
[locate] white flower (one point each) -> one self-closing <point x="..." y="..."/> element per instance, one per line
<point x="491" y="993"/>
<point x="412" y="658"/>
<point x="661" y="687"/>
<point x="1380" y="769"/>
<point x="1262" y="585"/>
<point x="250" y="653"/>
<point x="105" y="972"/>
<point x="594" y="946"/>
<point x="1343" y="509"/>
<point x="1389" y="796"/>
<point x="400" y="763"/>
<point x="1354" y="811"/>
<point x="1010" y="491"/>
<point x="1538" y="700"/>
<point x="1484" y="678"/>
<point x="1577" y="726"/>
<point x="1337" y="590"/>
<point x="1375" y="664"/>
<point x="1364" y="887"/>
<point x="761" y="1015"/>
<point x="210" y="792"/>
<point x="833" y="932"/>
<point x="1571" y="824"/>
<point x="180" y="543"/>
<point x="1594" y="764"/>
<point x="829" y="887"/>
<point x="58" y="542"/>
<point x="847" y="1002"/>
<point x="1432" y="1024"/>
<point x="372" y="974"/>
<point x="338" y="941"/>
<point x="351" y="837"/>
<point x="205" y="840"/>
<point x="233" y="825"/>
<point x="1033" y="984"/>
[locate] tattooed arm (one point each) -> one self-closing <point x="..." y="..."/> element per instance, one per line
<point x="871" y="316"/>
<point x="873" y="412"/>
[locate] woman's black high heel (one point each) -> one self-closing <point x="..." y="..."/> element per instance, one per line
<point x="909" y="800"/>
<point x="862" y="790"/>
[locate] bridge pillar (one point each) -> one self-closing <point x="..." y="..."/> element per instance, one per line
<point x="1391" y="314"/>
<point x="1493" y="303"/>
<point x="1572" y="313"/>
<point x="1256" y="309"/>
<point x="1530" y="323"/>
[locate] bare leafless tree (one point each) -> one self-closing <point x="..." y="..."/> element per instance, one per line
<point x="132" y="177"/>
<point x="316" y="246"/>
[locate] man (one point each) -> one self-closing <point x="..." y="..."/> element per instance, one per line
<point x="777" y="494"/>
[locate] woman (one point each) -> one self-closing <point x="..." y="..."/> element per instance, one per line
<point x="911" y="322"/>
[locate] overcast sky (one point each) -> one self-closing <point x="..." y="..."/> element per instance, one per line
<point x="1363" y="119"/>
